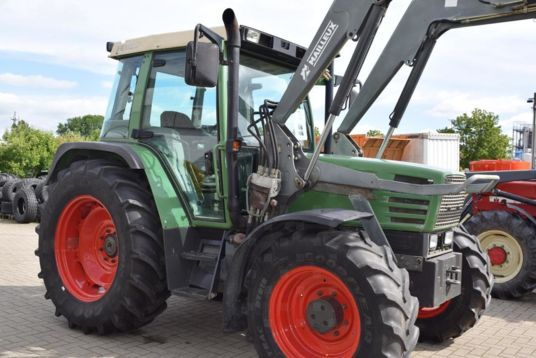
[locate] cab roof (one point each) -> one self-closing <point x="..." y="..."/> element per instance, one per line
<point x="165" y="41"/>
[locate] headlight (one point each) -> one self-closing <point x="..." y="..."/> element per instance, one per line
<point x="433" y="242"/>
<point x="253" y="36"/>
<point x="449" y="238"/>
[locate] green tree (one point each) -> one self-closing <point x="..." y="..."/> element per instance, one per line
<point x="480" y="137"/>
<point x="375" y="133"/>
<point x="446" y="130"/>
<point x="88" y="126"/>
<point x="25" y="151"/>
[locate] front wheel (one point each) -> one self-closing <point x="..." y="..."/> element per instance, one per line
<point x="316" y="293"/>
<point x="452" y="318"/>
<point x="100" y="248"/>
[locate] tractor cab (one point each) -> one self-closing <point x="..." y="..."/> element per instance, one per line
<point x="187" y="124"/>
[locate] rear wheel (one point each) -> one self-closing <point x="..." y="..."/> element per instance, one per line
<point x="510" y="243"/>
<point x="100" y="249"/>
<point x="316" y="293"/>
<point x="452" y="318"/>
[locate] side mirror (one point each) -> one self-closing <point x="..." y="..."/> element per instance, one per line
<point x="202" y="64"/>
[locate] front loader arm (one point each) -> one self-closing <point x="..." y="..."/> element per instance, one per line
<point x="413" y="42"/>
<point x="345" y="20"/>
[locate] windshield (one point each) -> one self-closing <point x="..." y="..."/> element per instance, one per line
<point x="260" y="81"/>
<point x="120" y="103"/>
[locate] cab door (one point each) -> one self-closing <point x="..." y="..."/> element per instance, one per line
<point x="184" y="127"/>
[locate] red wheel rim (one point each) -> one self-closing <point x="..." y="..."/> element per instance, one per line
<point x="431" y="312"/>
<point x="86" y="257"/>
<point x="497" y="255"/>
<point x="287" y="313"/>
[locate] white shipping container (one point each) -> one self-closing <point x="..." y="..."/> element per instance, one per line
<point x="440" y="150"/>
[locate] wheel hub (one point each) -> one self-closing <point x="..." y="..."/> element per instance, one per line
<point x="312" y="313"/>
<point x="324" y="314"/>
<point x="505" y="253"/>
<point x="110" y="246"/>
<point x="497" y="256"/>
<point x="86" y="248"/>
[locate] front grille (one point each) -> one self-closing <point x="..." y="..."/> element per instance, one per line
<point x="408" y="210"/>
<point x="451" y="206"/>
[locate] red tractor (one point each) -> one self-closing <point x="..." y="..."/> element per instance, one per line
<point x="504" y="220"/>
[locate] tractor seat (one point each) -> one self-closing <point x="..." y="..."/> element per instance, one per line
<point x="175" y="120"/>
<point x="197" y="141"/>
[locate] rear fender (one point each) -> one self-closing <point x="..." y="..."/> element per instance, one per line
<point x="481" y="203"/>
<point x="68" y="153"/>
<point x="168" y="203"/>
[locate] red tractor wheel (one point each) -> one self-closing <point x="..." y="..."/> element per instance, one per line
<point x="315" y="293"/>
<point x="431" y="312"/>
<point x="510" y="242"/>
<point x="100" y="248"/>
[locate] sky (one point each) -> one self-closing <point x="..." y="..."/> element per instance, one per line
<point x="53" y="62"/>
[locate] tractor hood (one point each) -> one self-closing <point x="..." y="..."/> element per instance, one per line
<point x="395" y="211"/>
<point x="391" y="170"/>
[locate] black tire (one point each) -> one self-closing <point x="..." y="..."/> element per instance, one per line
<point x="6" y="208"/>
<point x="8" y="190"/>
<point x="25" y="206"/>
<point x="524" y="233"/>
<point x="12" y="186"/>
<point x="4" y="177"/>
<point x="381" y="290"/>
<point x="41" y="192"/>
<point x="26" y="183"/>
<point x="464" y="311"/>
<point x="138" y="291"/>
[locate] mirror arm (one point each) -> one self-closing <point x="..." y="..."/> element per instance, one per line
<point x="200" y="31"/>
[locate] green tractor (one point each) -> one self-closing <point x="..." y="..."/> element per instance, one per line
<point x="202" y="186"/>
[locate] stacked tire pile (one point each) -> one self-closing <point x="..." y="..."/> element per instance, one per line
<point x="21" y="199"/>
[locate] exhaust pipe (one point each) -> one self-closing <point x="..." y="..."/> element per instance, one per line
<point x="233" y="64"/>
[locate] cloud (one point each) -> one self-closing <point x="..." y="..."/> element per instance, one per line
<point x="511" y="109"/>
<point x="73" y="33"/>
<point x="35" y="81"/>
<point x="508" y="123"/>
<point x="449" y="104"/>
<point x="46" y="111"/>
<point x="107" y="84"/>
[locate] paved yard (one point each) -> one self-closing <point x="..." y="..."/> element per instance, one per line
<point x="189" y="328"/>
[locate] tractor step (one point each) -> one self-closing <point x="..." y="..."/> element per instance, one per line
<point x="192" y="292"/>
<point x="199" y="256"/>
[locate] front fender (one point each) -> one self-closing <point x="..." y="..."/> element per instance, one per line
<point x="233" y="318"/>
